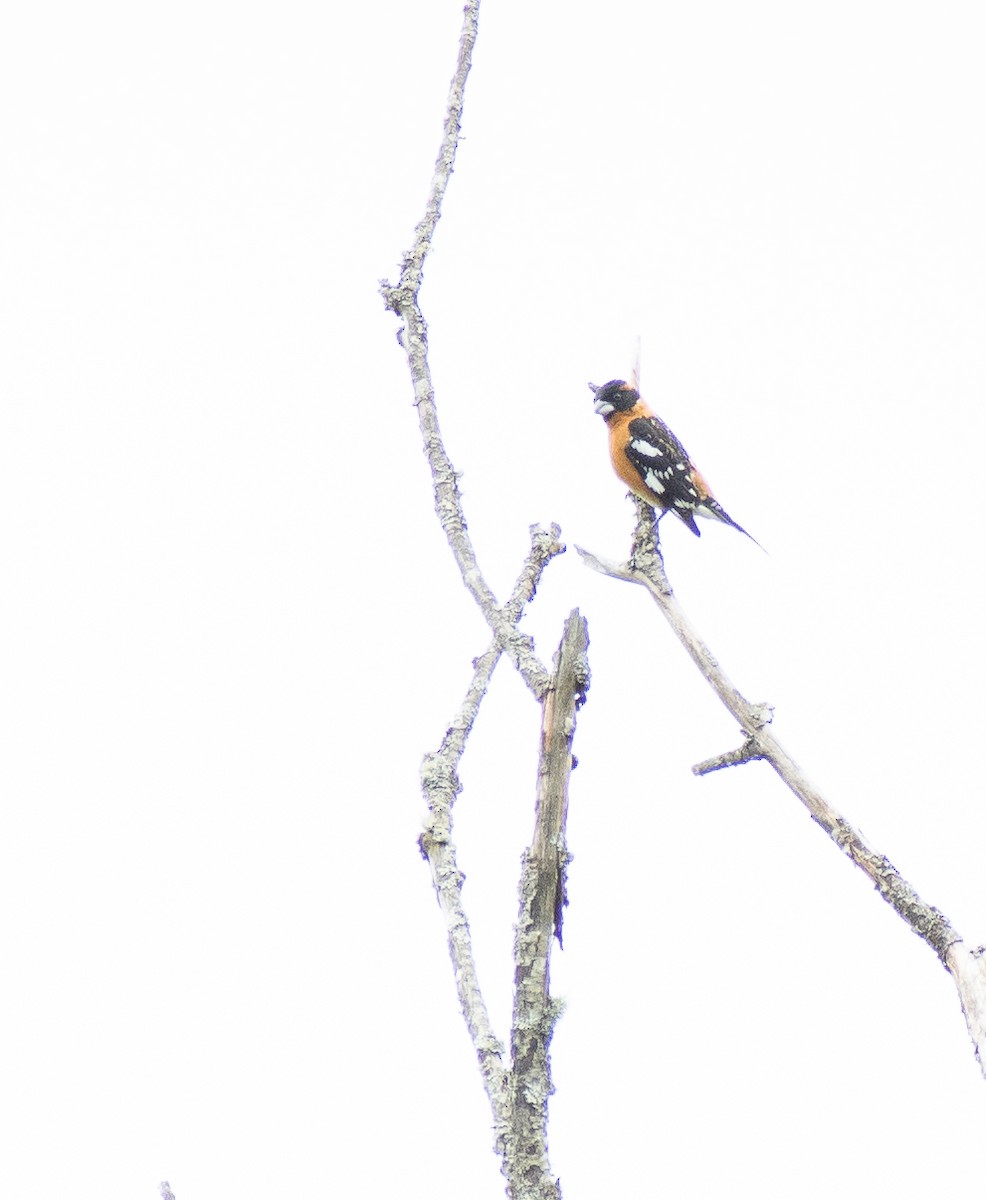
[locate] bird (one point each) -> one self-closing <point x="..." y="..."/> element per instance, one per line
<point x="652" y="462"/>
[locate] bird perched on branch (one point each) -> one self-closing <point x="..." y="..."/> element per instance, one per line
<point x="652" y="462"/>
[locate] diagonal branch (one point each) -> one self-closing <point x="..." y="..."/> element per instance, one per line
<point x="403" y="299"/>
<point x="968" y="968"/>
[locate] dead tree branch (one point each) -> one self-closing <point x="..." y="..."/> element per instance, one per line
<point x="440" y="784"/>
<point x="967" y="967"/>
<point x="403" y="299"/>
<point x="438" y="771"/>
<point x="542" y="899"/>
<point x="518" y="1094"/>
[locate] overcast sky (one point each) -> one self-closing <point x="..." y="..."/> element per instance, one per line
<point x="231" y="626"/>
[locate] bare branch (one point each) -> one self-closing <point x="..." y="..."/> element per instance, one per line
<point x="403" y="299"/>
<point x="439" y="777"/>
<point x="448" y="881"/>
<point x="518" y="1096"/>
<point x="542" y="899"/>
<point x="440" y="784"/>
<point x="405" y="294"/>
<point x="646" y="567"/>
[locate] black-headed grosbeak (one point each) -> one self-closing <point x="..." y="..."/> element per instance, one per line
<point x="652" y="462"/>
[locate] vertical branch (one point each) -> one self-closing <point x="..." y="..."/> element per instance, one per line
<point x="406" y="292"/>
<point x="542" y="899"/>
<point x="403" y="299"/>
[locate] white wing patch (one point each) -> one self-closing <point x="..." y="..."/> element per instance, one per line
<point x="648" y="449"/>
<point x="653" y="481"/>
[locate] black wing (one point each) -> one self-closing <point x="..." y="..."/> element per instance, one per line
<point x="663" y="464"/>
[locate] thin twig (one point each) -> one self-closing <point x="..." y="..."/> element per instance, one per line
<point x="729" y="758"/>
<point x="405" y="294"/>
<point x="968" y="969"/>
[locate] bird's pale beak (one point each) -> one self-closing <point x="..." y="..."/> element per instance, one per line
<point x="602" y="407"/>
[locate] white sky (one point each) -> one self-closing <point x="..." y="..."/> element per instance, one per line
<point x="224" y="652"/>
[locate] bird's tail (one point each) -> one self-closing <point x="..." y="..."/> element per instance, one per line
<point x="722" y="515"/>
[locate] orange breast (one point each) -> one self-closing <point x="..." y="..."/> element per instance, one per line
<point x="618" y="437"/>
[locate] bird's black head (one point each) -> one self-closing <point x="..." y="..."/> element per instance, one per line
<point x="615" y="396"/>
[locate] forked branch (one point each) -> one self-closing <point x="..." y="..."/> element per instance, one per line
<point x="440" y="784"/>
<point x="518" y="1093"/>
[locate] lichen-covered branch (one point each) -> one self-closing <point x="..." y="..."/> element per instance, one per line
<point x="442" y="764"/>
<point x="405" y="294"/>
<point x="968" y="968"/>
<point x="403" y="299"/>
<point x="518" y="1094"/>
<point x="542" y="900"/>
<point x="440" y="784"/>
